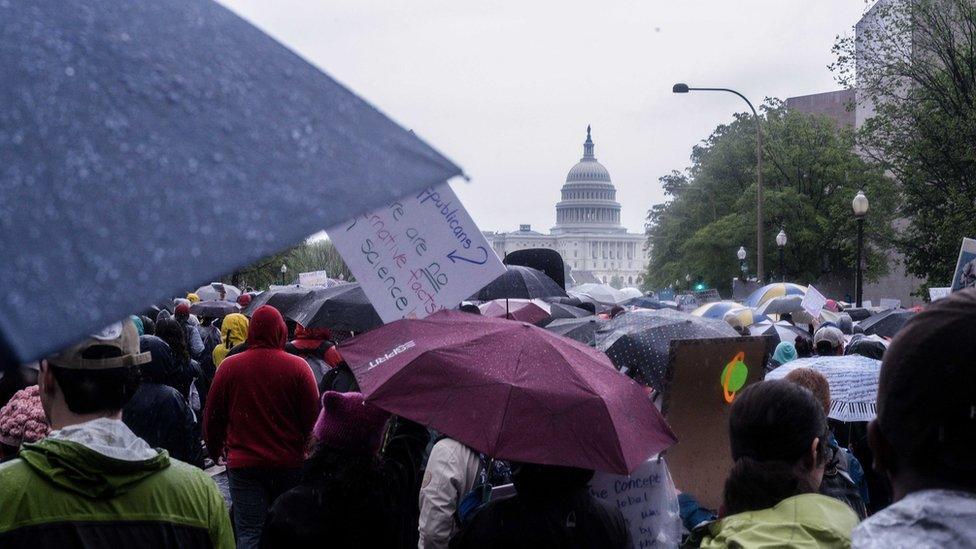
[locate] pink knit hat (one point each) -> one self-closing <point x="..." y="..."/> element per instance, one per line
<point x="22" y="418"/>
<point x="348" y="423"/>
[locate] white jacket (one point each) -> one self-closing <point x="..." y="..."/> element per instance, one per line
<point x="452" y="471"/>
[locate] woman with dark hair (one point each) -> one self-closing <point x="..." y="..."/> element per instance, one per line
<point x="170" y="331"/>
<point x="778" y="434"/>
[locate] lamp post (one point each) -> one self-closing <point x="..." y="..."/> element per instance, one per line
<point x="860" y="206"/>
<point x="781" y="243"/>
<point x="684" y="88"/>
<point x="284" y="271"/>
<point x="741" y="254"/>
<point x="688" y="281"/>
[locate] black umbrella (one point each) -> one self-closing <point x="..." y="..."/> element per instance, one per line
<point x="343" y="307"/>
<point x="639" y="342"/>
<point x="560" y="311"/>
<point x="283" y="299"/>
<point x="214" y="309"/>
<point x="645" y="302"/>
<point x="887" y="323"/>
<point x="148" y="147"/>
<point x="581" y="329"/>
<point x="522" y="283"/>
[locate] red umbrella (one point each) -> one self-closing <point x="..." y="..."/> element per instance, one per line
<point x="510" y="390"/>
<point x="525" y="310"/>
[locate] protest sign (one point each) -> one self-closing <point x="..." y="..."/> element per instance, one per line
<point x="965" y="273"/>
<point x="888" y="303"/>
<point x="646" y="499"/>
<point x="704" y="377"/>
<point x="314" y="278"/>
<point x="813" y="302"/>
<point x="418" y="255"/>
<point x="936" y="294"/>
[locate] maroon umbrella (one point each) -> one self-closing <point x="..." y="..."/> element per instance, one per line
<point x="510" y="390"/>
<point x="525" y="310"/>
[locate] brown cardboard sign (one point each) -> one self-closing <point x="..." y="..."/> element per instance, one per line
<point x="704" y="376"/>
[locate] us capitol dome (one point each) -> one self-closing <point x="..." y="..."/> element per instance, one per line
<point x="588" y="234"/>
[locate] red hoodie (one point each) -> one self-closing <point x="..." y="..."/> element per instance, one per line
<point x="263" y="402"/>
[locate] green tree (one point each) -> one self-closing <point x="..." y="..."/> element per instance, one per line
<point x="320" y="255"/>
<point x="811" y="173"/>
<point x="915" y="64"/>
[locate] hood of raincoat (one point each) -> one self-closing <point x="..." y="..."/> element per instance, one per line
<point x="927" y="518"/>
<point x="233" y="329"/>
<point x="307" y="339"/>
<point x="267" y="329"/>
<point x="99" y="459"/>
<point x="785" y="352"/>
<point x="163" y="365"/>
<point x="807" y="520"/>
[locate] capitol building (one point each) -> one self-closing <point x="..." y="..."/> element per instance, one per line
<point x="588" y="234"/>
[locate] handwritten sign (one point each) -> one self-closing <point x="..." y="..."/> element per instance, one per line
<point x="813" y="302"/>
<point x="647" y="500"/>
<point x="418" y="255"/>
<point x="936" y="294"/>
<point x="965" y="274"/>
<point x="314" y="278"/>
<point x="889" y="303"/>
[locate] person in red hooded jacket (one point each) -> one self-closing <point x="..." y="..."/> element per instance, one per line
<point x="260" y="412"/>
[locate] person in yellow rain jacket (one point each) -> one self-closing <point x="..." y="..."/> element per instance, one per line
<point x="233" y="331"/>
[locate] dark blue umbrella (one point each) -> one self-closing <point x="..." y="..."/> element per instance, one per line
<point x="887" y="323"/>
<point x="520" y="283"/>
<point x="149" y="147"/>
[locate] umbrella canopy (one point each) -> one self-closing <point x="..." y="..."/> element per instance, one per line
<point x="770" y="291"/>
<point x="743" y="316"/>
<point x="630" y="293"/>
<point x="560" y="310"/>
<point x="716" y="309"/>
<point x="639" y="342"/>
<point x="581" y="329"/>
<point x="344" y="307"/>
<point x="602" y="293"/>
<point x="887" y="323"/>
<point x="782" y="330"/>
<point x="212" y="291"/>
<point x="510" y="390"/>
<point x="853" y="381"/>
<point x="522" y="283"/>
<point x="214" y="309"/>
<point x="180" y="118"/>
<point x="523" y="310"/>
<point x="284" y="299"/>
<point x="781" y="305"/>
<point x="648" y="303"/>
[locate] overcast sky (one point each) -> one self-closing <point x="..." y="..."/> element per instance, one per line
<point x="506" y="88"/>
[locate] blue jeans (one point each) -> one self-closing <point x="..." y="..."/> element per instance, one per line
<point x="252" y="491"/>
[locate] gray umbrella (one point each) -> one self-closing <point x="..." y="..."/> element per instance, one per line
<point x="148" y="147"/>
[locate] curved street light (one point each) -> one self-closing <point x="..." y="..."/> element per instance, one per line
<point x="685" y="88"/>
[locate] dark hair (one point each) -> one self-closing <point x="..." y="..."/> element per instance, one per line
<point x="174" y="335"/>
<point x="470" y="308"/>
<point x="548" y="481"/>
<point x="771" y="427"/>
<point x="803" y="347"/>
<point x="148" y="325"/>
<point x="826" y="348"/>
<point x="92" y="391"/>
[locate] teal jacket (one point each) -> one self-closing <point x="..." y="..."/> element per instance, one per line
<point x="62" y="493"/>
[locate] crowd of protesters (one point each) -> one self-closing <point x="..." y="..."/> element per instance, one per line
<point x="106" y="444"/>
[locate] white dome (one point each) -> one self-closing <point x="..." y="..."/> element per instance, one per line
<point x="588" y="170"/>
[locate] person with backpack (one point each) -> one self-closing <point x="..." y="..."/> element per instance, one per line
<point x="451" y="473"/>
<point x="312" y="344"/>
<point x="843" y="475"/>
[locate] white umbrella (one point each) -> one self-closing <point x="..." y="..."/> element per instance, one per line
<point x="853" y="381"/>
<point x="602" y="293"/>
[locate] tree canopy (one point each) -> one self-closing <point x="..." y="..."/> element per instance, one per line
<point x="915" y="64"/>
<point x="320" y="255"/>
<point x="811" y="173"/>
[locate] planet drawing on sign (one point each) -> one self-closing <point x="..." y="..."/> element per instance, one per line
<point x="734" y="376"/>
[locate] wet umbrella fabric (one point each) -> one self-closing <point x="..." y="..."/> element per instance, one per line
<point x="510" y="390"/>
<point x="141" y="145"/>
<point x="580" y="329"/>
<point x="639" y="342"/>
<point x="212" y="291"/>
<point x="646" y="303"/>
<point x="523" y="310"/>
<point x="781" y="305"/>
<point x="887" y="323"/>
<point x="344" y="307"/>
<point x="770" y="291"/>
<point x="716" y="309"/>
<point x="561" y="311"/>
<point x="286" y="300"/>
<point x="521" y="283"/>
<point x="853" y="381"/>
<point x="601" y="293"/>
<point x="214" y="309"/>
<point x="782" y="331"/>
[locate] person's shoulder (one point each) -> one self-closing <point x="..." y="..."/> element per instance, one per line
<point x="186" y="476"/>
<point x="11" y="472"/>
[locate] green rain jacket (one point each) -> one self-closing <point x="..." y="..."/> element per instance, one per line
<point x="807" y="520"/>
<point x="98" y="485"/>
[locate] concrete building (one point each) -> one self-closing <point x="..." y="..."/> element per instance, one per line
<point x="588" y="234"/>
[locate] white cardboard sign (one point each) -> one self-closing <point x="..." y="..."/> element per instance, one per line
<point x="418" y="255"/>
<point x="888" y="303"/>
<point x="313" y="278"/>
<point x="647" y="500"/>
<point x="813" y="302"/>
<point x="936" y="294"/>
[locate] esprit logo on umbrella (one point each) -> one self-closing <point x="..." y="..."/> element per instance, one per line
<point x="396" y="350"/>
<point x="734" y="376"/>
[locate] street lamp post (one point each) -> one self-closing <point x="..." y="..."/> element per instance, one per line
<point x="781" y="243"/>
<point x="684" y="88"/>
<point x="284" y="271"/>
<point x="741" y="254"/>
<point x="860" y="206"/>
<point x="688" y="281"/>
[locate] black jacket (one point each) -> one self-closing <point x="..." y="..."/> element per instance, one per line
<point x="158" y="414"/>
<point x="572" y="520"/>
<point x="349" y="501"/>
